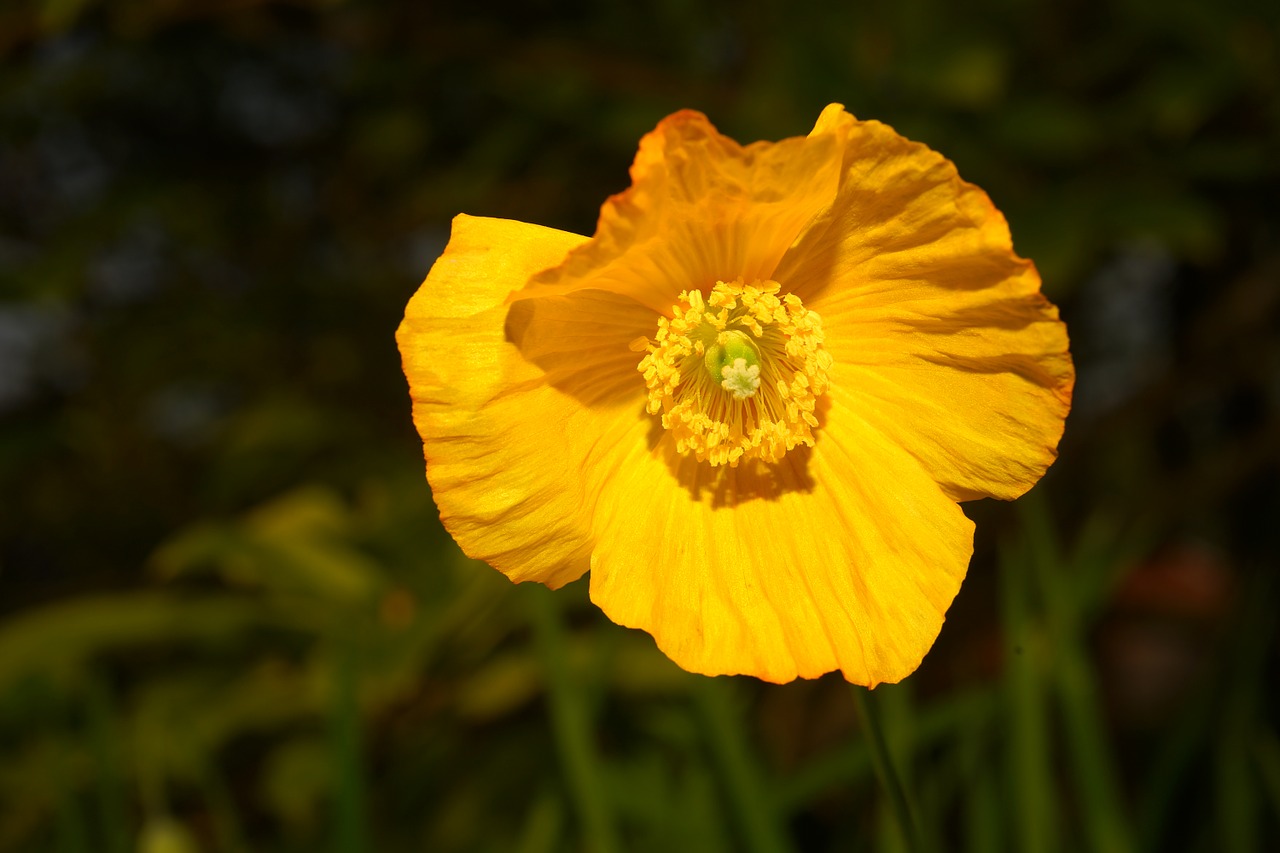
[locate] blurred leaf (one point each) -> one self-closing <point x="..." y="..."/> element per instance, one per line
<point x="180" y="722"/>
<point x="296" y="780"/>
<point x="294" y="544"/>
<point x="974" y="76"/>
<point x="166" y="835"/>
<point x="499" y="687"/>
<point x="57" y="15"/>
<point x="58" y="641"/>
<point x="543" y="827"/>
<point x="1267" y="754"/>
<point x="1050" y="128"/>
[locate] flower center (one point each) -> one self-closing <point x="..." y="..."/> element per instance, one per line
<point x="737" y="375"/>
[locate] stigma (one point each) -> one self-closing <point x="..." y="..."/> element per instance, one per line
<point x="740" y="379"/>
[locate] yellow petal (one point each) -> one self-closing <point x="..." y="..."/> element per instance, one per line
<point x="982" y="406"/>
<point x="844" y="558"/>
<point x="484" y="261"/>
<point x="506" y="432"/>
<point x="950" y="381"/>
<point x="701" y="209"/>
<point x="939" y="332"/>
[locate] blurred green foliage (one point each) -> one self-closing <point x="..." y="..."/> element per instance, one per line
<point x="230" y="618"/>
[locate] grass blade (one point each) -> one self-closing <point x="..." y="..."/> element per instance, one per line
<point x="1088" y="752"/>
<point x="571" y="723"/>
<point x="351" y="833"/>
<point x="1031" y="798"/>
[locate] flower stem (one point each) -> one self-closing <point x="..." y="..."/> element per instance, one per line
<point x="570" y="724"/>
<point x="903" y="810"/>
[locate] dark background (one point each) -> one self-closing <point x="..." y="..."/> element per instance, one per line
<point x="229" y="619"/>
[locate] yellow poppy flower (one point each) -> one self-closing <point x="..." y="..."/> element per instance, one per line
<point x="750" y="403"/>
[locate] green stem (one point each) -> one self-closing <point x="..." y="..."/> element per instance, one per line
<point x="222" y="811"/>
<point x="113" y="806"/>
<point x="743" y="780"/>
<point x="569" y="721"/>
<point x="72" y="836"/>
<point x="899" y="803"/>
<point x="350" y="824"/>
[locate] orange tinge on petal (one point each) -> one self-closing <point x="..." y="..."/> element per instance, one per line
<point x="749" y="403"/>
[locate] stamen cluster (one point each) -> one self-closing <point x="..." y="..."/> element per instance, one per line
<point x="727" y="409"/>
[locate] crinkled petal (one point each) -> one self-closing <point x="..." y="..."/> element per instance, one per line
<point x="507" y="398"/>
<point x="845" y="557"/>
<point x="701" y="209"/>
<point x="940" y="335"/>
<point x="950" y="381"/>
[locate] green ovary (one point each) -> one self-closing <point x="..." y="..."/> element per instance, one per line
<point x="733" y="362"/>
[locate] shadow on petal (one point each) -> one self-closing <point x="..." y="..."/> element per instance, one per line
<point x="1012" y="315"/>
<point x="1031" y="368"/>
<point x="580" y="341"/>
<point x="720" y="486"/>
